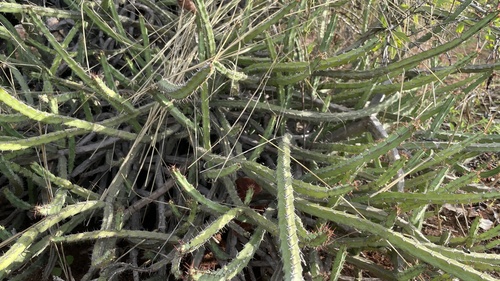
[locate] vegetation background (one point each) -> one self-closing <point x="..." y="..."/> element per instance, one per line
<point x="249" y="140"/>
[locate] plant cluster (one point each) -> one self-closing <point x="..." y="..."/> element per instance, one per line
<point x="247" y="140"/>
